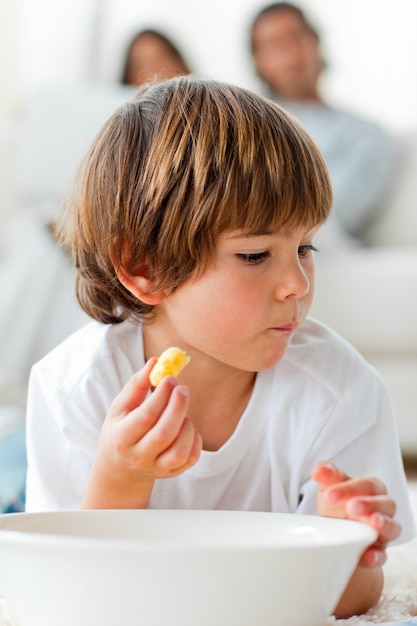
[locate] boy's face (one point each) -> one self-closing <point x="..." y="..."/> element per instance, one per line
<point x="244" y="309"/>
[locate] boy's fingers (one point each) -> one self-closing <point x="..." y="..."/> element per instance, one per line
<point x="167" y="428"/>
<point x="354" y="487"/>
<point x="386" y="526"/>
<point x="373" y="557"/>
<point x="327" y="473"/>
<point x="177" y="455"/>
<point x="134" y="392"/>
<point x="366" y="506"/>
<point x="196" y="449"/>
<point x="388" y="530"/>
<point x="144" y="418"/>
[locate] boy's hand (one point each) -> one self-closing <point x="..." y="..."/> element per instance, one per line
<point x="142" y="439"/>
<point x="363" y="499"/>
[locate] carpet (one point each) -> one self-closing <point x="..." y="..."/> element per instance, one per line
<point x="399" y="597"/>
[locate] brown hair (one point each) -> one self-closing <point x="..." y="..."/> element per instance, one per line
<point x="187" y="160"/>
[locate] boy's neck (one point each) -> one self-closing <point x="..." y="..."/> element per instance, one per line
<point x="216" y="409"/>
<point x="219" y="393"/>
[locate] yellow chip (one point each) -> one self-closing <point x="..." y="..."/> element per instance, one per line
<point x="171" y="362"/>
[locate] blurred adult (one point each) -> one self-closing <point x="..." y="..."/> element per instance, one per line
<point x="360" y="154"/>
<point x="152" y="56"/>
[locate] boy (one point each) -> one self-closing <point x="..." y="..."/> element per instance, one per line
<point x="193" y="226"/>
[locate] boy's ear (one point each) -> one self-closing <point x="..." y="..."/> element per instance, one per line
<point x="140" y="285"/>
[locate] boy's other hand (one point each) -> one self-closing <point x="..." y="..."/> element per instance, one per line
<point x="363" y="499"/>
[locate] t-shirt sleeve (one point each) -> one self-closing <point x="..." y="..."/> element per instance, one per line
<point x="57" y="469"/>
<point x="360" y="437"/>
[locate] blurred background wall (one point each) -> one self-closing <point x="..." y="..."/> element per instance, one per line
<point x="370" y="44"/>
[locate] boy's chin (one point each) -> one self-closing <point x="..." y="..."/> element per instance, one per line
<point x="270" y="361"/>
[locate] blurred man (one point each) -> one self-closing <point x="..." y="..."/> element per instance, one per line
<point x="360" y="155"/>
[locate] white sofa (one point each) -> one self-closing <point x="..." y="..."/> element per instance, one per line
<point x="368" y="295"/>
<point x="39" y="308"/>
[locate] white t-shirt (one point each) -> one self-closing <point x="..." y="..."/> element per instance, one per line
<point x="322" y="401"/>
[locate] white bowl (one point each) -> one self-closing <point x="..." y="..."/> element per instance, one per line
<point x="175" y="568"/>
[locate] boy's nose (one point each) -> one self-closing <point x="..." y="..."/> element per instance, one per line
<point x="293" y="282"/>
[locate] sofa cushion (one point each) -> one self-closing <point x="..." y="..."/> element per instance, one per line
<point x="59" y="125"/>
<point x="370" y="297"/>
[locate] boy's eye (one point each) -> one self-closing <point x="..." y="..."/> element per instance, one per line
<point x="253" y="258"/>
<point x="304" y="251"/>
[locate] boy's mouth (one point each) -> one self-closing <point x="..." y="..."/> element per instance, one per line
<point x="285" y="328"/>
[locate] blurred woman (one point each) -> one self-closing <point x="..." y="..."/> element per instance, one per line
<point x="152" y="56"/>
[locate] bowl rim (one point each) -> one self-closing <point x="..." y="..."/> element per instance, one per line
<point x="356" y="533"/>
